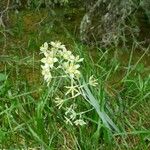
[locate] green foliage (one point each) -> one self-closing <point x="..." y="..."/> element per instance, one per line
<point x="2" y="77"/>
<point x="29" y="117"/>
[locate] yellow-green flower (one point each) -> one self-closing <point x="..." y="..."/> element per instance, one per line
<point x="93" y="81"/>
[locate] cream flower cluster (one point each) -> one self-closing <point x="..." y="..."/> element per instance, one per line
<point x="56" y="56"/>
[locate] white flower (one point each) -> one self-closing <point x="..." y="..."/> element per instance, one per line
<point x="68" y="121"/>
<point x="72" y="114"/>
<point x="71" y="69"/>
<point x="73" y="90"/>
<point x="49" y="54"/>
<point x="46" y="73"/>
<point x="67" y="55"/>
<point x="93" y="81"/>
<point x="59" y="102"/>
<point x="79" y="122"/>
<point x="57" y="45"/>
<point x="78" y="59"/>
<point x="44" y="47"/>
<point x="49" y="61"/>
<point x="70" y="57"/>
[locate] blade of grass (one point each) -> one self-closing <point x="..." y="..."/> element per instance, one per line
<point x="105" y="118"/>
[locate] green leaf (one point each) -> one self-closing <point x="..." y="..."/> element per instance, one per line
<point x="104" y="117"/>
<point x="3" y="77"/>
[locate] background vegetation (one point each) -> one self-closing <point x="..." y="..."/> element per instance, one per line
<point x="29" y="118"/>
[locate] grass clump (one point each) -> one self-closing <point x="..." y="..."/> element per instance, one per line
<point x="29" y="115"/>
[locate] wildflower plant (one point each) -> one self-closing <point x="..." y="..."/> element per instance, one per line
<point x="58" y="59"/>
